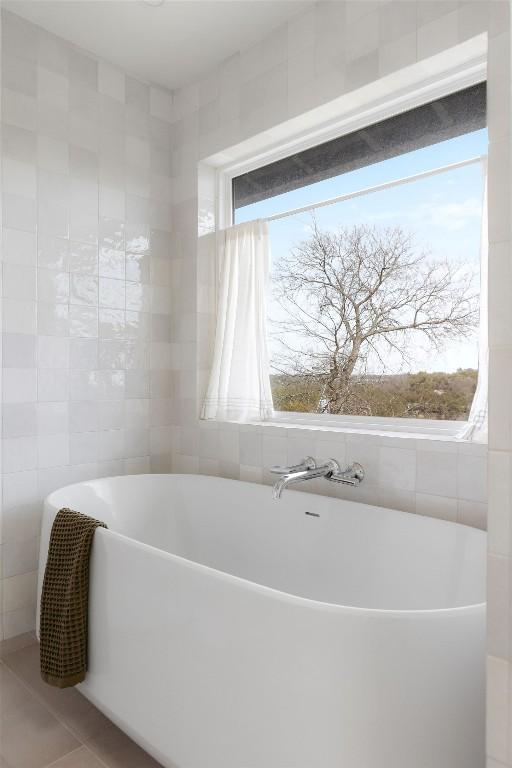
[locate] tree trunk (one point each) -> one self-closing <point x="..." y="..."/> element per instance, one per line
<point x="337" y="388"/>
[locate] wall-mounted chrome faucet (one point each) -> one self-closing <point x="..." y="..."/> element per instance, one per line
<point x="308" y="470"/>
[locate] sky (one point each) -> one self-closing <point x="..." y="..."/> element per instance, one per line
<point x="442" y="212"/>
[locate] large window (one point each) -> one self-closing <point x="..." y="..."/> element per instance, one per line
<point x="374" y="304"/>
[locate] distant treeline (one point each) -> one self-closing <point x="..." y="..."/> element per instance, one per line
<point x="412" y="395"/>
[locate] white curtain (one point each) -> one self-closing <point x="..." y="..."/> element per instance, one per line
<point x="476" y="427"/>
<point x="239" y="386"/>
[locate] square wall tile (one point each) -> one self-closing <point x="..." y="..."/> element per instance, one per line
<point x="437" y="473"/>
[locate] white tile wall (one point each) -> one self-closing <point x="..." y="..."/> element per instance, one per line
<point x="499" y="681"/>
<point x="87" y="247"/>
<point x="332" y="49"/>
<point x="116" y="306"/>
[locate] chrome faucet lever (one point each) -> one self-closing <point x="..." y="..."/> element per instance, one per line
<point x="307" y="463"/>
<point x="352" y="475"/>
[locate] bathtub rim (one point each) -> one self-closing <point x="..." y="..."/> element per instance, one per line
<point x="253" y="586"/>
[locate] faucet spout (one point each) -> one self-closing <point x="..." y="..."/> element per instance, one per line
<point x="285" y="480"/>
<point x="325" y="470"/>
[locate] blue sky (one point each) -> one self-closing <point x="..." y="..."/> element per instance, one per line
<point x="443" y="212"/>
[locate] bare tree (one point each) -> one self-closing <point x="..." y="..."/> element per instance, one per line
<point x="355" y="297"/>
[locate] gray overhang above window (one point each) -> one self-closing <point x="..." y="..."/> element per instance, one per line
<point x="454" y="115"/>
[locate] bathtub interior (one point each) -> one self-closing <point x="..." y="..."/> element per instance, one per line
<point x="345" y="553"/>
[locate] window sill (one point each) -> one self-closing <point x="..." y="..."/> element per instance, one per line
<point x="417" y="429"/>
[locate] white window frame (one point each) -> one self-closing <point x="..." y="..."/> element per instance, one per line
<point x="450" y="72"/>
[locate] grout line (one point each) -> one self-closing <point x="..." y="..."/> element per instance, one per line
<point x="35" y="697"/>
<point x="48" y="765"/>
<point x="93" y="753"/>
<point x="82" y="744"/>
<point x="79" y="739"/>
<point x="43" y="703"/>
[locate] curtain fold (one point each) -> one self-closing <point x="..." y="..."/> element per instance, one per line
<point x="239" y="385"/>
<point x="476" y="427"/>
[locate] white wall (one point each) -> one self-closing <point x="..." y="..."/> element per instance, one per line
<point x="86" y="180"/>
<point x="499" y="679"/>
<point x="333" y="49"/>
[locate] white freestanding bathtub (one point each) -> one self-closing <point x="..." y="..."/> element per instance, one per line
<point x="229" y="630"/>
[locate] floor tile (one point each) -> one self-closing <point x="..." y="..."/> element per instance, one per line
<point x="31" y="737"/>
<point x="68" y="705"/>
<point x="80" y="758"/>
<point x="117" y="750"/>
<point x="20" y="641"/>
<point x="12" y="693"/>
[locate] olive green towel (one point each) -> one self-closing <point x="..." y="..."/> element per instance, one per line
<point x="64" y="599"/>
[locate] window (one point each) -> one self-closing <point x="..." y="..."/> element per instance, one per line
<point x="375" y="240"/>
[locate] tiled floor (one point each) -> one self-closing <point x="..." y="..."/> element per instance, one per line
<point x="42" y="726"/>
